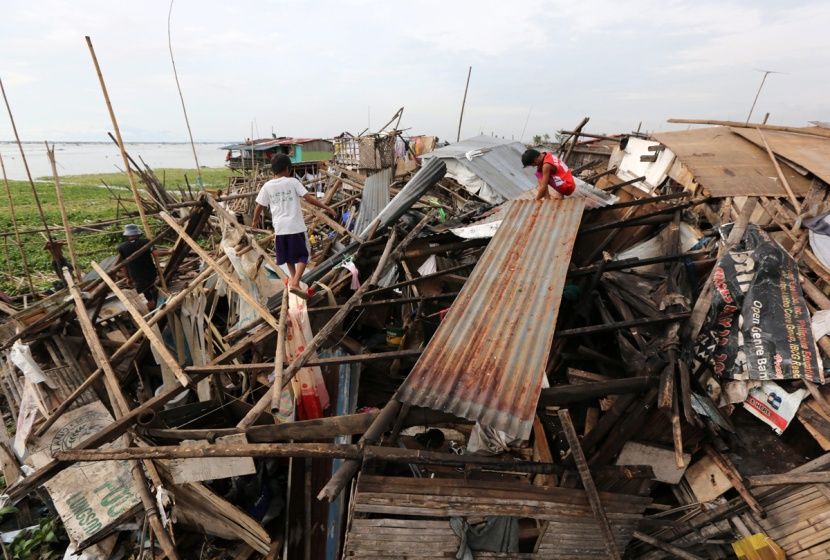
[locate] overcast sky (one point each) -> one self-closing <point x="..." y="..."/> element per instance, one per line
<point x="309" y="68"/>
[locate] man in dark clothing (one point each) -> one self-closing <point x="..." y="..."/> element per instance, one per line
<point x="141" y="274"/>
<point x="59" y="262"/>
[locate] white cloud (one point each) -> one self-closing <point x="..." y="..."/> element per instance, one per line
<point x="312" y="68"/>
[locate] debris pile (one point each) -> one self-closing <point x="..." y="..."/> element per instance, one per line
<point x="635" y="371"/>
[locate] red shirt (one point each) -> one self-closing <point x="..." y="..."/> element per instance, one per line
<point x="561" y="178"/>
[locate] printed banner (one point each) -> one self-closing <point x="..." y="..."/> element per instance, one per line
<point x="759" y="325"/>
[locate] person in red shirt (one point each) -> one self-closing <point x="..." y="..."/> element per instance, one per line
<point x="551" y="171"/>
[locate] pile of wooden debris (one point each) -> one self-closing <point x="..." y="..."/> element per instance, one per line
<point x="615" y="374"/>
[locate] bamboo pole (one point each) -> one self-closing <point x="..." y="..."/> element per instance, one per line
<point x="181" y="96"/>
<point x="321" y="336"/>
<point x="8" y="257"/>
<point x="790" y="193"/>
<point x="124" y="157"/>
<point x="154" y="339"/>
<point x="812" y="131"/>
<point x="349" y="452"/>
<point x="26" y="166"/>
<point x="159" y="314"/>
<point x="121" y="408"/>
<point x="463" y="103"/>
<point x="233" y="283"/>
<point x="276" y="388"/>
<point x="64" y="218"/>
<point x="16" y="228"/>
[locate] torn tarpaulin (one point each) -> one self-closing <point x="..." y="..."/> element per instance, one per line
<point x="759" y="324"/>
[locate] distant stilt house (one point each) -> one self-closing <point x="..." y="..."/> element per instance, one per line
<point x="255" y="155"/>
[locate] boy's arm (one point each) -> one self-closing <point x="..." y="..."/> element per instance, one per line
<point x="311" y="199"/>
<point x="542" y="190"/>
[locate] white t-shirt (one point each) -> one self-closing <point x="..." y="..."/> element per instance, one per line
<point x="282" y="196"/>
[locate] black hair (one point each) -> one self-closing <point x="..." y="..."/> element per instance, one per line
<point x="280" y="163"/>
<point x="530" y="156"/>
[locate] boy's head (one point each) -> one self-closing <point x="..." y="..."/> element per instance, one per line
<point x="280" y="163"/>
<point x="530" y="156"/>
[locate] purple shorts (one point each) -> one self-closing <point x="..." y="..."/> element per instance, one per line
<point x="291" y="248"/>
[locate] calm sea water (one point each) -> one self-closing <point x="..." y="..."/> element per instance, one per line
<point x="77" y="158"/>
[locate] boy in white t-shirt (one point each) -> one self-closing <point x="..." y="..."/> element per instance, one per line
<point x="282" y="195"/>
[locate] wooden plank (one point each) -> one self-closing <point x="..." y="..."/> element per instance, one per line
<point x="482" y="488"/>
<point x="707" y="480"/>
<point x="590" y="489"/>
<point x="727" y="165"/>
<point x="541" y="453"/>
<point x="196" y="470"/>
<point x="661" y="460"/>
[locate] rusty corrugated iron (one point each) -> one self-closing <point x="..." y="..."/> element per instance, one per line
<point x="487" y="359"/>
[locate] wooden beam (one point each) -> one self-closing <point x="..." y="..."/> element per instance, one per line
<point x="812" y="131"/>
<point x="621" y="325"/>
<point x="321" y="362"/>
<point x="565" y="394"/>
<point x="820" y="477"/>
<point x="119" y="403"/>
<point x="311" y="450"/>
<point x="121" y="409"/>
<point x="590" y="488"/>
<point x="279" y="358"/>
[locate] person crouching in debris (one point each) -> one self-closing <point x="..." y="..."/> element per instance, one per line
<point x="282" y="195"/>
<point x="59" y="262"/>
<point x="141" y="273"/>
<point x="551" y="171"/>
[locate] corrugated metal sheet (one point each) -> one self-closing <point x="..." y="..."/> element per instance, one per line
<point x="375" y="198"/>
<point x="497" y="162"/>
<point x="486" y="227"/>
<point x="426" y="178"/>
<point x="487" y="359"/>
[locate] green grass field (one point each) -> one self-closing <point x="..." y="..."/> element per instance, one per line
<point x="87" y="201"/>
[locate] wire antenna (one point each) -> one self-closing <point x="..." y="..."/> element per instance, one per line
<point x="764" y="79"/>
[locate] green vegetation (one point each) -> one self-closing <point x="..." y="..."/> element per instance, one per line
<point x="87" y="201"/>
<point x="47" y="541"/>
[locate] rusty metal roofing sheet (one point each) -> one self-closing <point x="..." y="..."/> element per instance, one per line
<point x="487" y="359"/>
<point x="727" y="165"/>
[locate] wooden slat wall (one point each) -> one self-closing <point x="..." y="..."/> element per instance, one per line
<point x="571" y="529"/>
<point x="799" y="522"/>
